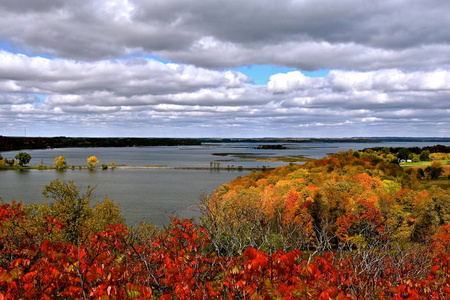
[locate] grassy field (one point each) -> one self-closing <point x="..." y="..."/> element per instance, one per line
<point x="442" y="182"/>
<point x="422" y="163"/>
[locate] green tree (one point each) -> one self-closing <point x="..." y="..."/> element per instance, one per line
<point x="425" y="155"/>
<point x="403" y="154"/>
<point x="70" y="207"/>
<point x="23" y="158"/>
<point x="74" y="212"/>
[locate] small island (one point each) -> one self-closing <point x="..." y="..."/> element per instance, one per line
<point x="277" y="147"/>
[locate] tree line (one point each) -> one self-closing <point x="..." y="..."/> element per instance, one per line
<point x="17" y="143"/>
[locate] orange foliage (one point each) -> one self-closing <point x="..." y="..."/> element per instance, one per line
<point x="368" y="182"/>
<point x="183" y="263"/>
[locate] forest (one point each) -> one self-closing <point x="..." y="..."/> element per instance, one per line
<point x="17" y="143"/>
<point x="353" y="225"/>
<point x="9" y="143"/>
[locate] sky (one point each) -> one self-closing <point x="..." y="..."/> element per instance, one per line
<point x="233" y="68"/>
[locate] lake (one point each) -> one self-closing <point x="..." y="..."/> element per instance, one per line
<point x="155" y="195"/>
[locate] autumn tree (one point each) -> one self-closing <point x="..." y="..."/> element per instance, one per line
<point x="104" y="214"/>
<point x="60" y="163"/>
<point x="23" y="158"/>
<point x="71" y="207"/>
<point x="74" y="210"/>
<point x="434" y="170"/>
<point x="92" y="161"/>
<point x="341" y="227"/>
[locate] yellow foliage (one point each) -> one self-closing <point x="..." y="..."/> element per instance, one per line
<point x="60" y="162"/>
<point x="436" y="164"/>
<point x="92" y="161"/>
<point x="289" y="200"/>
<point x="391" y="187"/>
<point x="440" y="155"/>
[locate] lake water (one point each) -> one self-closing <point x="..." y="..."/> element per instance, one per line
<point x="155" y="195"/>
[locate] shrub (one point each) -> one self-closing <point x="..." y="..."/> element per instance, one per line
<point x="23" y="158"/>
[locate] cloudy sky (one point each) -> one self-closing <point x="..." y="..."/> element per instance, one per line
<point x="233" y="68"/>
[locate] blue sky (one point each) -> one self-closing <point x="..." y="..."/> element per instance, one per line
<point x="261" y="73"/>
<point x="179" y="68"/>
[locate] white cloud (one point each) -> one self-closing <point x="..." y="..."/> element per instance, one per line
<point x="127" y="92"/>
<point x="291" y="81"/>
<point x="381" y="80"/>
<point x="122" y="77"/>
<point x="384" y="69"/>
<point x="22" y="108"/>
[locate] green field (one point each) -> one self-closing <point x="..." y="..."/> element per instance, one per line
<point x="422" y="163"/>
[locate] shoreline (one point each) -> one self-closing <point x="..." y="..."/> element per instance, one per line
<point x="51" y="168"/>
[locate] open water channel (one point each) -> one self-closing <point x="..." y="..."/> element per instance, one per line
<point x="155" y="194"/>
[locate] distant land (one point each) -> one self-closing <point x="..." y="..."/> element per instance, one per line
<point x="19" y="143"/>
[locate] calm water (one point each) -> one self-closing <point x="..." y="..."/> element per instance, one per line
<point x="154" y="195"/>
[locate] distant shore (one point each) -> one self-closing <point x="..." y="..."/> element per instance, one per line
<point x="22" y="143"/>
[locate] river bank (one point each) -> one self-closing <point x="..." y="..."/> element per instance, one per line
<point x="124" y="167"/>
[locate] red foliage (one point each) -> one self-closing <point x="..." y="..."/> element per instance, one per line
<point x="179" y="264"/>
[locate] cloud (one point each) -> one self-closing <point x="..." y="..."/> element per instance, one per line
<point x="122" y="77"/>
<point x="308" y="35"/>
<point x="68" y="66"/>
<point x="387" y="80"/>
<point x="145" y="93"/>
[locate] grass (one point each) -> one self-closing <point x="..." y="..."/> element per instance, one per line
<point x="26" y="168"/>
<point x="443" y="181"/>
<point x="421" y="163"/>
<point x="42" y="167"/>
